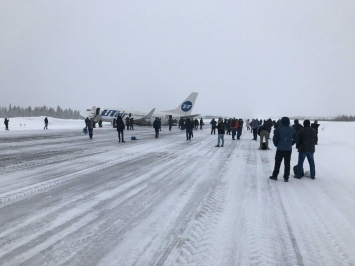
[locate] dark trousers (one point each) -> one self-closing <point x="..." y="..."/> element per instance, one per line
<point x="213" y="130"/>
<point x="255" y="133"/>
<point x="234" y="132"/>
<point x="239" y="132"/>
<point x="156" y="132"/>
<point x="90" y="132"/>
<point x="120" y="133"/>
<point x="188" y="134"/>
<point x="282" y="155"/>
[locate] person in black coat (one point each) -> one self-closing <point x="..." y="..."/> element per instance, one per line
<point x="87" y="122"/>
<point x="213" y="126"/>
<point x="189" y="127"/>
<point x="170" y="123"/>
<point x="221" y="131"/>
<point x="6" y="122"/>
<point x="127" y="122"/>
<point x="268" y="125"/>
<point x="296" y="125"/>
<point x="240" y="128"/>
<point x="120" y="127"/>
<point x="306" y="140"/>
<point x="315" y="125"/>
<point x="157" y="125"/>
<point x="45" y="123"/>
<point x="91" y="127"/>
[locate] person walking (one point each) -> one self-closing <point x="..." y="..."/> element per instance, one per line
<point x="213" y="126"/>
<point x="45" y="123"/>
<point x="221" y="131"/>
<point x="255" y="126"/>
<point x="91" y="128"/>
<point x="284" y="138"/>
<point x="196" y="123"/>
<point x="6" y="123"/>
<point x="87" y="122"/>
<point x="120" y="127"/>
<point x="306" y="140"/>
<point x="156" y="125"/>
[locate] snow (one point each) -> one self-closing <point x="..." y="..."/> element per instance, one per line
<point x="69" y="200"/>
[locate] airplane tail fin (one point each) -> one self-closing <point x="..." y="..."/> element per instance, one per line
<point x="149" y="115"/>
<point x="185" y="108"/>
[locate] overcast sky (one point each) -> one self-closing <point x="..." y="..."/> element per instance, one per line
<point x="245" y="58"/>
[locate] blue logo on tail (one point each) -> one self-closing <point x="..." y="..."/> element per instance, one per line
<point x="186" y="106"/>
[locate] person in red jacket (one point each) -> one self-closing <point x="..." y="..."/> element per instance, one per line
<point x="234" y="126"/>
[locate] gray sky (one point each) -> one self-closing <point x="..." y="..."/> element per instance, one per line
<point x="245" y="58"/>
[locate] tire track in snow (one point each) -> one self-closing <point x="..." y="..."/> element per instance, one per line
<point x="256" y="226"/>
<point x="96" y="163"/>
<point x="194" y="244"/>
<point x="289" y="250"/>
<point x="75" y="222"/>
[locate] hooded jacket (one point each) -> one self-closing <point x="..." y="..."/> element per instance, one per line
<point x="119" y="123"/>
<point x="297" y="126"/>
<point x="284" y="136"/>
<point x="221" y="127"/>
<point x="306" y="139"/>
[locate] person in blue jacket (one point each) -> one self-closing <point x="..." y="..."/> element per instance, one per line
<point x="284" y="138"/>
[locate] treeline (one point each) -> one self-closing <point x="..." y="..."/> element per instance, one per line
<point x="17" y="111"/>
<point x="344" y="118"/>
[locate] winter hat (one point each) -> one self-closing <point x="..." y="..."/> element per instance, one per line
<point x="285" y="121"/>
<point x="307" y="123"/>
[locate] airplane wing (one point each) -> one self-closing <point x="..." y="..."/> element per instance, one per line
<point x="191" y="116"/>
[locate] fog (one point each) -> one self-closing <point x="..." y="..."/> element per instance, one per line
<point x="245" y="58"/>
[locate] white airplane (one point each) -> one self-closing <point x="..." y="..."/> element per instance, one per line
<point x="140" y="117"/>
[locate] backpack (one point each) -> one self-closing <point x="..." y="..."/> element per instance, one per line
<point x="263" y="146"/>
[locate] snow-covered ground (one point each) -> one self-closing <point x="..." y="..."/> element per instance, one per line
<point x="69" y="200"/>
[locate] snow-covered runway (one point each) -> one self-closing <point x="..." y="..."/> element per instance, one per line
<point x="69" y="200"/>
